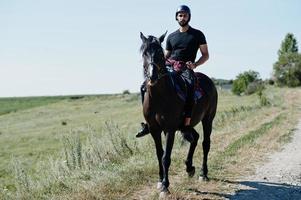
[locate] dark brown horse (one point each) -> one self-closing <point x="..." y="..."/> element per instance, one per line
<point x="163" y="109"/>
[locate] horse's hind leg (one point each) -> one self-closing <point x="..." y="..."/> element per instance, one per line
<point x="207" y="129"/>
<point x="159" y="151"/>
<point x="190" y="169"/>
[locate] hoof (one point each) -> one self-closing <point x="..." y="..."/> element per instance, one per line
<point x="191" y="172"/>
<point x="159" y="185"/>
<point x="164" y="194"/>
<point x="204" y="178"/>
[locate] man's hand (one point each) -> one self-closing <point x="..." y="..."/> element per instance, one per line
<point x="191" y="65"/>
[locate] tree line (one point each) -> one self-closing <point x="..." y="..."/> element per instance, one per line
<point x="286" y="70"/>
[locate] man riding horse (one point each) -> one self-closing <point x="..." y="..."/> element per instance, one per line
<point x="180" y="53"/>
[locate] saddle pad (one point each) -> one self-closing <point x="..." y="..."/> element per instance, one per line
<point x="179" y="85"/>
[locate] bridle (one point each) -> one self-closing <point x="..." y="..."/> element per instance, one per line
<point x="154" y="62"/>
<point x="162" y="72"/>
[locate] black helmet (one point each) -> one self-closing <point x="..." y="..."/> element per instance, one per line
<point x="183" y="8"/>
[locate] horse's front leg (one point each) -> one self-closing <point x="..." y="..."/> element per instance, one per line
<point x="170" y="136"/>
<point x="159" y="151"/>
<point x="190" y="169"/>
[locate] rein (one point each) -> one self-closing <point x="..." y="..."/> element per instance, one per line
<point x="162" y="72"/>
<point x="176" y="65"/>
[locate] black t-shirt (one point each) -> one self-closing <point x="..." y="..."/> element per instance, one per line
<point x="184" y="45"/>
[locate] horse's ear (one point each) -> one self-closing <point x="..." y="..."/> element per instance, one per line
<point x="143" y="38"/>
<point x="161" y="38"/>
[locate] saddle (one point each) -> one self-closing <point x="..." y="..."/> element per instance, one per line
<point x="180" y="85"/>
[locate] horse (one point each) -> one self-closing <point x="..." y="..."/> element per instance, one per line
<point x="163" y="110"/>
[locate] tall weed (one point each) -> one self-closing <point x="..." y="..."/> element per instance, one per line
<point x="23" y="182"/>
<point x="78" y="161"/>
<point x="73" y="152"/>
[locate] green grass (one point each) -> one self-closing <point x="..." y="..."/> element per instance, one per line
<point x="251" y="136"/>
<point x="65" y="148"/>
<point x="8" y="105"/>
<point x="243" y="142"/>
<point x="34" y="134"/>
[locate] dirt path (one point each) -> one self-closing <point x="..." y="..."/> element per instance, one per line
<point x="279" y="178"/>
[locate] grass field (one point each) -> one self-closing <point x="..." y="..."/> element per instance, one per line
<point x="85" y="147"/>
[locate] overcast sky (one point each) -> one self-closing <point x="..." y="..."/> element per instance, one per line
<point x="59" y="47"/>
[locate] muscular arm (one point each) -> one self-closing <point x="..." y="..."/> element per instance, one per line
<point x="204" y="57"/>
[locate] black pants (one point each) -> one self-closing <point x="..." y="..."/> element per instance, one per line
<point x="188" y="76"/>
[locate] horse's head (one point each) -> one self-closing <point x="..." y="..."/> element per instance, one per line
<point x="153" y="57"/>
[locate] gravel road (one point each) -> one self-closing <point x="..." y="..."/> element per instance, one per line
<point x="279" y="178"/>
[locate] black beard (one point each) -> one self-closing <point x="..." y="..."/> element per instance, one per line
<point x="183" y="23"/>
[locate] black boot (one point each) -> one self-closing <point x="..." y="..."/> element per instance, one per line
<point x="144" y="131"/>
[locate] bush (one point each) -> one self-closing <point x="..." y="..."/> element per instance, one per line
<point x="254" y="87"/>
<point x="242" y="81"/>
<point x="126" y="92"/>
<point x="271" y="82"/>
<point x="239" y="86"/>
<point x="262" y="97"/>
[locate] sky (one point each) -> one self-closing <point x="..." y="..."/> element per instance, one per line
<point x="71" y="47"/>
